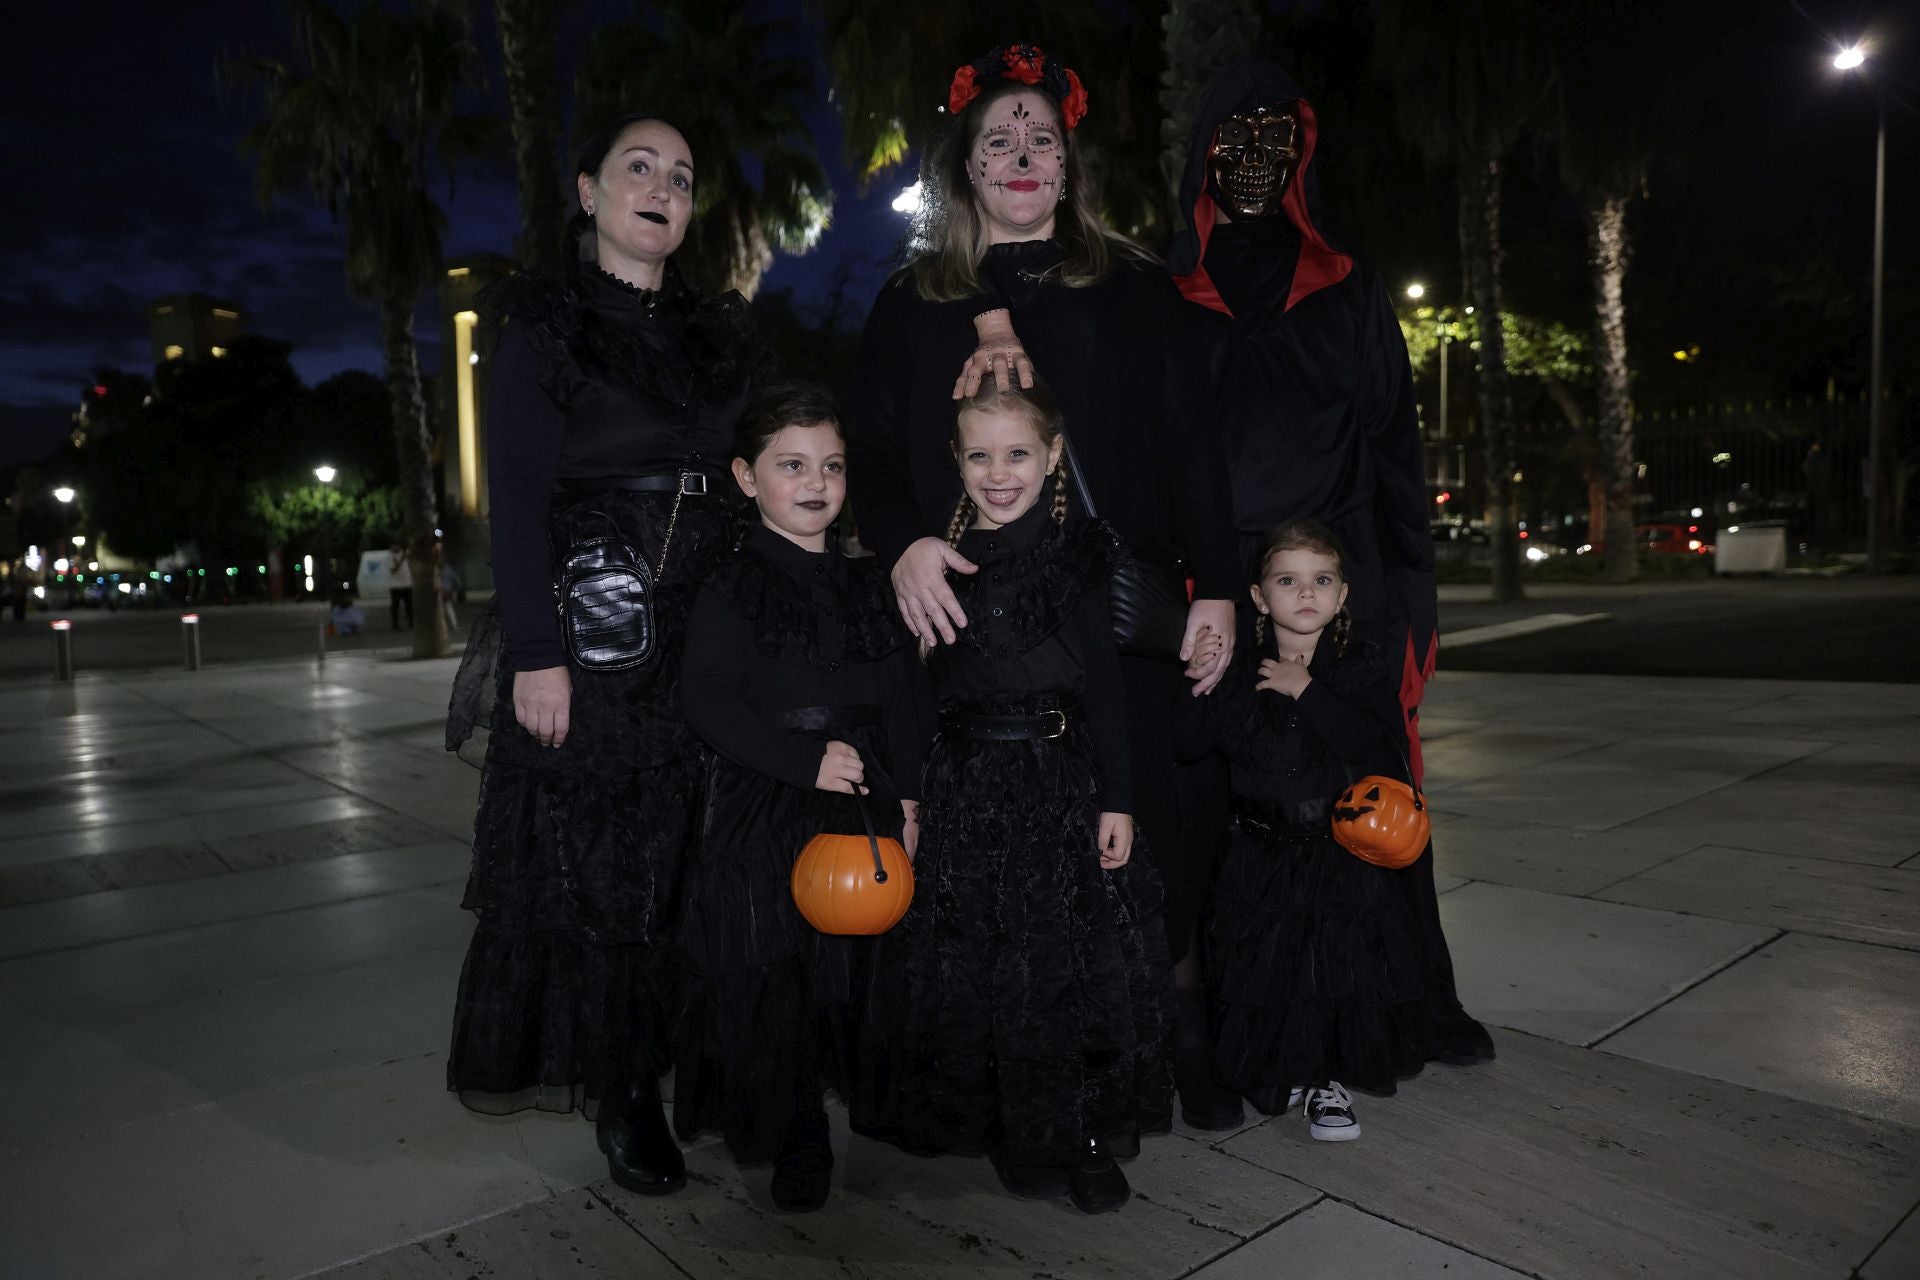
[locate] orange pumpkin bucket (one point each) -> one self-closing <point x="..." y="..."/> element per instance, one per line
<point x="1382" y="820"/>
<point x="855" y="885"/>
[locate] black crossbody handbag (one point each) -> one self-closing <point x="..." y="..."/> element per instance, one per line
<point x="606" y="595"/>
<point x="1149" y="601"/>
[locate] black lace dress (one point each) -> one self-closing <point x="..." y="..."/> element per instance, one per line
<point x="1314" y="960"/>
<point x="578" y="850"/>
<point x="1018" y="1008"/>
<point x="786" y="650"/>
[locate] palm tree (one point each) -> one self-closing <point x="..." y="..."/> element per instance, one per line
<point x="711" y="70"/>
<point x="354" y="123"/>
<point x="1467" y="78"/>
<point x="533" y="106"/>
<point x="1607" y="141"/>
<point x="1201" y="37"/>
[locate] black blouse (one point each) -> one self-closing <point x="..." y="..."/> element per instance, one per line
<point x="591" y="380"/>
<point x="1292" y="756"/>
<point x="779" y="628"/>
<point x="1125" y="360"/>
<point x="1038" y="620"/>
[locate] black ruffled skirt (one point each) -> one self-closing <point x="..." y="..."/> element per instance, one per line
<point x="579" y="851"/>
<point x="1018" y="1009"/>
<point x="1316" y="968"/>
<point x="765" y="996"/>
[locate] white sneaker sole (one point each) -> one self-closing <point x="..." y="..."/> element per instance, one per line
<point x="1341" y="1133"/>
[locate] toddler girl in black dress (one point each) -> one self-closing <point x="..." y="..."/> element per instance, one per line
<point x="800" y="675"/>
<point x="1313" y="956"/>
<point x="1019" y="1001"/>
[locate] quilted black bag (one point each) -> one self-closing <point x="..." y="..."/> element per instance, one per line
<point x="606" y="600"/>
<point x="1149" y="601"/>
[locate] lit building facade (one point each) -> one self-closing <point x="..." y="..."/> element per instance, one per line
<point x="192" y="326"/>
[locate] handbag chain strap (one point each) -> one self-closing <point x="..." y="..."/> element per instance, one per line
<point x="673" y="519"/>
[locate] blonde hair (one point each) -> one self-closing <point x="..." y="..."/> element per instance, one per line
<point x="955" y="235"/>
<point x="1036" y="405"/>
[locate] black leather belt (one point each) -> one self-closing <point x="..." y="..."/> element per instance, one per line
<point x="1043" y="724"/>
<point x="829" y="719"/>
<point x="682" y="480"/>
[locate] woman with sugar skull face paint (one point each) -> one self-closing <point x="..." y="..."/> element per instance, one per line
<point x="614" y="392"/>
<point x="1009" y="225"/>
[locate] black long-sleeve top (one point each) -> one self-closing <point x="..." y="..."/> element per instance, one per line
<point x="779" y="628"/>
<point x="596" y="379"/>
<point x="1038" y="620"/>
<point x="1127" y="366"/>
<point x="1291" y="756"/>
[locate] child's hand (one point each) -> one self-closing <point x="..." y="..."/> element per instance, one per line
<point x="1284" y="675"/>
<point x="841" y="770"/>
<point x="910" y="832"/>
<point x="1116" y="840"/>
<point x="1207" y="646"/>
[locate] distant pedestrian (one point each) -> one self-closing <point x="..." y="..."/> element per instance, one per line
<point x="1315" y="960"/>
<point x="449" y="591"/>
<point x="400" y="586"/>
<point x="346" y="618"/>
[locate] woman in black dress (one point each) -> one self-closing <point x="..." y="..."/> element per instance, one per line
<point x="801" y="677"/>
<point x="1013" y="226"/>
<point x="614" y="393"/>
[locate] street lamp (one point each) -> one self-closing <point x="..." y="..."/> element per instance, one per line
<point x="64" y="495"/>
<point x="1416" y="291"/>
<point x="324" y="473"/>
<point x="1853" y="58"/>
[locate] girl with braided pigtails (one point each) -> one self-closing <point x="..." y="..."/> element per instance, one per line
<point x="1017" y="1010"/>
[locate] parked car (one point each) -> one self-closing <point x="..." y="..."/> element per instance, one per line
<point x="1673" y="539"/>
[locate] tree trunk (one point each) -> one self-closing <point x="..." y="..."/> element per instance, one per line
<point x="1607" y="237"/>
<point x="1480" y="252"/>
<point x="1200" y="36"/>
<point x="419" y="509"/>
<point x="526" y="55"/>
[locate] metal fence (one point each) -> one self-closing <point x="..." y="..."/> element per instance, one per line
<point x="1802" y="461"/>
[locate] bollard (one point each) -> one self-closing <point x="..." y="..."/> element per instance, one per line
<point x="63" y="650"/>
<point x="190" y="639"/>
<point x="321" y="636"/>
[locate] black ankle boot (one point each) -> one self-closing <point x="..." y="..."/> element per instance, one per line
<point x="641" y="1153"/>
<point x="1205" y="1103"/>
<point x="1095" y="1181"/>
<point x="803" y="1173"/>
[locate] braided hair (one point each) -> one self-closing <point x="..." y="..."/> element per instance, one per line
<point x="1035" y="404"/>
<point x="1305" y="535"/>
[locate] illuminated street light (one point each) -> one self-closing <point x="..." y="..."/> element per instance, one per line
<point x="1416" y="291"/>
<point x="1852" y="58"/>
<point x="908" y="201"/>
<point x="64" y="495"/>
<point x="79" y="539"/>
<point x="324" y="474"/>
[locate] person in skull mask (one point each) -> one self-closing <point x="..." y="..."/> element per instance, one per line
<point x="1313" y="397"/>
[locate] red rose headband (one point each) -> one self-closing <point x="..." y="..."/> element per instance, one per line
<point x="1028" y="65"/>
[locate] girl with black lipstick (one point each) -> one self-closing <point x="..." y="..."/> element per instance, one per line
<point x="1017" y="1010"/>
<point x="800" y="675"/>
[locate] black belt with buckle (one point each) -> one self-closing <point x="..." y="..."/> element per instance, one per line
<point x="682" y="480"/>
<point x="1026" y="728"/>
<point x="858" y="715"/>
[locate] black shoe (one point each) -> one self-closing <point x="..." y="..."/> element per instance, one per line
<point x="1030" y="1181"/>
<point x="1205" y="1103"/>
<point x="1095" y="1181"/>
<point x="1464" y="1042"/>
<point x="803" y="1174"/>
<point x="641" y="1153"/>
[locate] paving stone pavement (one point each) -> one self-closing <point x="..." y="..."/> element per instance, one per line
<point x="230" y="933"/>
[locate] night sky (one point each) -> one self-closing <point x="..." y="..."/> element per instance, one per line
<point x="124" y="183"/>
